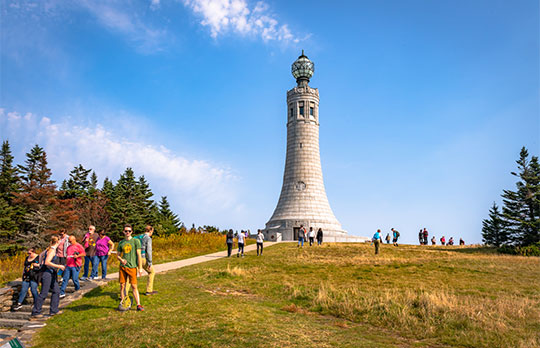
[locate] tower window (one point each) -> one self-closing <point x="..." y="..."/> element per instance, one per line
<point x="302" y="111"/>
<point x="290" y="112"/>
<point x="310" y="111"/>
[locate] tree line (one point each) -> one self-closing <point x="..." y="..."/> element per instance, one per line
<point x="517" y="224"/>
<point x="32" y="206"/>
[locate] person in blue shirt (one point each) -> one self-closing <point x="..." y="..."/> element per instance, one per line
<point x="377" y="240"/>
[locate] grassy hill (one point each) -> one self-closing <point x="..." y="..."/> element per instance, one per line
<point x="338" y="295"/>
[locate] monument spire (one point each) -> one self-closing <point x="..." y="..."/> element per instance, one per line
<point x="303" y="198"/>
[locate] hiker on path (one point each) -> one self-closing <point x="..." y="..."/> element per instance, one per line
<point x="61" y="251"/>
<point x="421" y="237"/>
<point x="146" y="253"/>
<point x="260" y="240"/>
<point x="229" y="240"/>
<point x="130" y="259"/>
<point x="319" y="236"/>
<point x="104" y="248"/>
<point x="461" y="241"/>
<point x="240" y="238"/>
<point x="451" y="241"/>
<point x="311" y="236"/>
<point x="48" y="280"/>
<point x="75" y="253"/>
<point x="377" y="240"/>
<point x="301" y="235"/>
<point x="395" y="235"/>
<point x="89" y="243"/>
<point x="30" y="278"/>
<point x="443" y="241"/>
<point x="426" y="236"/>
<point x="433" y="240"/>
<point x="387" y="238"/>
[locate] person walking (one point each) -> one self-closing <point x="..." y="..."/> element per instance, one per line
<point x="421" y="237"/>
<point x="311" y="236"/>
<point x="229" y="240"/>
<point x="130" y="259"/>
<point x="301" y="235"/>
<point x="377" y="240"/>
<point x="260" y="240"/>
<point x="104" y="248"/>
<point x="461" y="241"/>
<point x="443" y="241"/>
<point x="319" y="236"/>
<point x="48" y="280"/>
<point x="89" y="242"/>
<point x="395" y="235"/>
<point x="75" y="253"/>
<point x="451" y="241"/>
<point x="433" y="240"/>
<point x="61" y="251"/>
<point x="146" y="253"/>
<point x="240" y="238"/>
<point x="30" y="278"/>
<point x="387" y="238"/>
<point x="425" y="237"/>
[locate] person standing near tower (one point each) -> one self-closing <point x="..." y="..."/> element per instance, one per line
<point x="311" y="236"/>
<point x="260" y="240"/>
<point x="377" y="240"/>
<point x="301" y="235"/>
<point x="319" y="236"/>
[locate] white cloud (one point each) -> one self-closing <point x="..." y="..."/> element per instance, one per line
<point x="204" y="190"/>
<point x="125" y="20"/>
<point x="223" y="16"/>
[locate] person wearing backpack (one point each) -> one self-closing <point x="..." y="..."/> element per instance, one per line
<point x="377" y="240"/>
<point x="49" y="282"/>
<point x="30" y="278"/>
<point x="395" y="235"/>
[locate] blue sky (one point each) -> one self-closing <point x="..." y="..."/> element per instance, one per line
<point x="424" y="104"/>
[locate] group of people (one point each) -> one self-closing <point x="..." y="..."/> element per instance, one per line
<point x="311" y="235"/>
<point x="377" y="239"/>
<point x="63" y="259"/>
<point x="423" y="239"/>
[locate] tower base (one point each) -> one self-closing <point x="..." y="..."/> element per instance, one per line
<point x="287" y="230"/>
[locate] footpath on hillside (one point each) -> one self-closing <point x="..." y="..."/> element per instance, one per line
<point x="17" y="324"/>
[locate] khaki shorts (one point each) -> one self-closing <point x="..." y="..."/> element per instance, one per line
<point x="128" y="273"/>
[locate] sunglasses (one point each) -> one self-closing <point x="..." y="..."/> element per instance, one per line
<point x="127" y="231"/>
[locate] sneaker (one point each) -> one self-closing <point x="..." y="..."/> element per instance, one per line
<point x="242" y="255"/>
<point x="62" y="295"/>
<point x="36" y="317"/>
<point x="96" y="278"/>
<point x="140" y="308"/>
<point x="17" y="307"/>
<point x="84" y="279"/>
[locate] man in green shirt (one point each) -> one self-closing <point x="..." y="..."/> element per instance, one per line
<point x="129" y="256"/>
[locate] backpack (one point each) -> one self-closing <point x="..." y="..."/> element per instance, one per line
<point x="397" y="234"/>
<point x="140" y="237"/>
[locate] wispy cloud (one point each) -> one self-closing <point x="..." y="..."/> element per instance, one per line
<point x="223" y="16"/>
<point x="125" y="20"/>
<point x="197" y="186"/>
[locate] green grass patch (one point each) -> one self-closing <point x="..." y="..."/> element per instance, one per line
<point x="338" y="295"/>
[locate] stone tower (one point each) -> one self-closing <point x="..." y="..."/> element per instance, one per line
<point x="303" y="198"/>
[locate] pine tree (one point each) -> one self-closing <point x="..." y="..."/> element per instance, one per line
<point x="93" y="184"/>
<point x="168" y="221"/>
<point x="8" y="174"/>
<point x="8" y="224"/>
<point x="124" y="204"/>
<point x="493" y="230"/>
<point x="521" y="209"/>
<point x="78" y="184"/>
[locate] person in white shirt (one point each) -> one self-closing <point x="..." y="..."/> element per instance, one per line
<point x="240" y="238"/>
<point x="260" y="240"/>
<point x="311" y="236"/>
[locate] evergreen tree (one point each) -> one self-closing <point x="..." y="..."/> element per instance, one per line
<point x="8" y="174"/>
<point x="168" y="221"/>
<point x="493" y="230"/>
<point x="78" y="184"/>
<point x="108" y="188"/>
<point x="521" y="209"/>
<point x="8" y="221"/>
<point x="93" y="184"/>
<point x="124" y="206"/>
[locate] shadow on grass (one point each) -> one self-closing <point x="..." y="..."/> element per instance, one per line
<point x="483" y="250"/>
<point x="84" y="308"/>
<point x="99" y="292"/>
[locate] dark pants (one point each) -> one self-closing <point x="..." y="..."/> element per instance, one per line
<point x="319" y="241"/>
<point x="48" y="282"/>
<point x="311" y="241"/>
<point x="24" y="290"/>
<point x="241" y="248"/>
<point x="60" y="261"/>
<point x="377" y="244"/>
<point x="259" y="245"/>
<point x="229" y="249"/>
